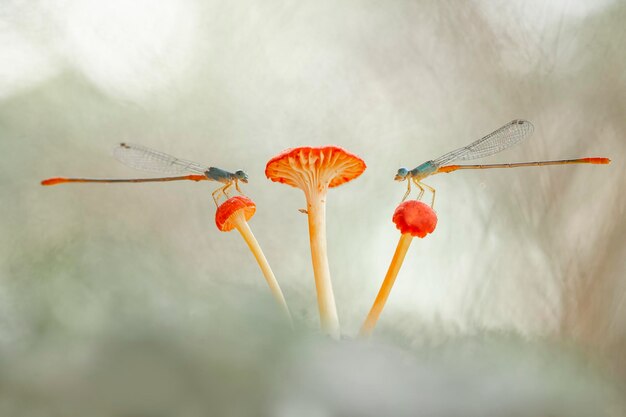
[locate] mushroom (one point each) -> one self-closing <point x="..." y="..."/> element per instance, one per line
<point x="412" y="218"/>
<point x="234" y="213"/>
<point x="314" y="170"/>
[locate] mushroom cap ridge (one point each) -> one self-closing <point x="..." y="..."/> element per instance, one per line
<point x="228" y="208"/>
<point x="335" y="162"/>
<point x="415" y="218"/>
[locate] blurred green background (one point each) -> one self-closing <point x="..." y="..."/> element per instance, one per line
<point x="126" y="300"/>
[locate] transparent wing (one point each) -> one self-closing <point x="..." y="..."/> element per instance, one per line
<point x="499" y="140"/>
<point x="140" y="157"/>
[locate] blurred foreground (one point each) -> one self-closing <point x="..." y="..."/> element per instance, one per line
<point x="125" y="300"/>
<point x="215" y="355"/>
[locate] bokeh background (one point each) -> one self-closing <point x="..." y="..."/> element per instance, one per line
<point x="125" y="300"/>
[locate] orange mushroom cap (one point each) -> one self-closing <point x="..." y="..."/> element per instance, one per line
<point x="415" y="217"/>
<point x="328" y="165"/>
<point x="224" y="214"/>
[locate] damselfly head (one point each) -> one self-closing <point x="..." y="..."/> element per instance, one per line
<point x="401" y="175"/>
<point x="241" y="176"/>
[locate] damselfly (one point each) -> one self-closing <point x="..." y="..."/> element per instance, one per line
<point x="497" y="141"/>
<point x="141" y="157"/>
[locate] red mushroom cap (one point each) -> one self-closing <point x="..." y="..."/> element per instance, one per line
<point x="415" y="217"/>
<point x="328" y="165"/>
<point x="224" y="216"/>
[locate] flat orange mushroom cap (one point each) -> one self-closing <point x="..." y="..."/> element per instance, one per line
<point x="328" y="165"/>
<point x="224" y="216"/>
<point x="415" y="217"/>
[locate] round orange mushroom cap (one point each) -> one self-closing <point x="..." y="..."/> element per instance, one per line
<point x="224" y="216"/>
<point x="326" y="166"/>
<point x="415" y="217"/>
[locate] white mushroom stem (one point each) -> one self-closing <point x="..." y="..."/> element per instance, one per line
<point x="316" y="207"/>
<point x="314" y="171"/>
<point x="241" y="225"/>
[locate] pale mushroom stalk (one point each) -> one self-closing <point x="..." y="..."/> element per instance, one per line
<point x="314" y="170"/>
<point x="234" y="213"/>
<point x="316" y="209"/>
<point x="246" y="233"/>
<point x="315" y="187"/>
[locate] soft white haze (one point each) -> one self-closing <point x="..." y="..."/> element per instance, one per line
<point x="515" y="305"/>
